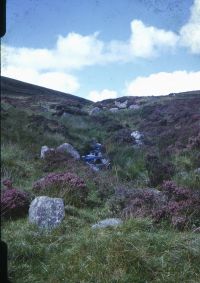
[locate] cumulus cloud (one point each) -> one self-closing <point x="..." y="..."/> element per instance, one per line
<point x="190" y="32"/>
<point x="54" y="80"/>
<point x="96" y="95"/>
<point x="164" y="83"/>
<point x="71" y="52"/>
<point x="148" y="41"/>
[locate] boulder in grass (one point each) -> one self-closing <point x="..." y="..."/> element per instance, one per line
<point x="137" y="136"/>
<point x="14" y="203"/>
<point x="46" y="212"/>
<point x="45" y="150"/>
<point x="68" y="148"/>
<point x="109" y="222"/>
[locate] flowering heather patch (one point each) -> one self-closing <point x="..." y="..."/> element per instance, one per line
<point x="180" y="206"/>
<point x="14" y="203"/>
<point x="67" y="185"/>
<point x="173" y="192"/>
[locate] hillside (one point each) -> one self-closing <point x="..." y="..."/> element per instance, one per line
<point x="152" y="184"/>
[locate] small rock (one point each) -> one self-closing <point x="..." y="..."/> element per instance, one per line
<point x="113" y="110"/>
<point x="109" y="222"/>
<point x="44" y="150"/>
<point x="134" y="106"/>
<point x="137" y="136"/>
<point x="46" y="212"/>
<point x="121" y="105"/>
<point x="66" y="147"/>
<point x="94" y="111"/>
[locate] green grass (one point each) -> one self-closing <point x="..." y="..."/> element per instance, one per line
<point x="135" y="252"/>
<point x="185" y="164"/>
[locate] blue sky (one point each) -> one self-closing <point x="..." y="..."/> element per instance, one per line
<point x="104" y="48"/>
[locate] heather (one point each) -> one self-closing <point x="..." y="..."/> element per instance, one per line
<point x="14" y="202"/>
<point x="66" y="185"/>
<point x="152" y="186"/>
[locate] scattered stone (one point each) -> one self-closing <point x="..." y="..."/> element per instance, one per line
<point x="45" y="150"/>
<point x="113" y="110"/>
<point x="109" y="222"/>
<point x="137" y="137"/>
<point x="121" y="105"/>
<point x="46" y="212"/>
<point x="66" y="147"/>
<point x="94" y="111"/>
<point x="59" y="151"/>
<point x="134" y="106"/>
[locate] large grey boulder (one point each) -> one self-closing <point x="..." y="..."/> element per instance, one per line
<point x="109" y="222"/>
<point x="46" y="212"/>
<point x="68" y="148"/>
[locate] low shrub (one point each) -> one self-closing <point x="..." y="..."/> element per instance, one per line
<point x="14" y="203"/>
<point x="66" y="185"/>
<point x="182" y="208"/>
<point x="178" y="205"/>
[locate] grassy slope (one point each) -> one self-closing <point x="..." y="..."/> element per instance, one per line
<point x="135" y="252"/>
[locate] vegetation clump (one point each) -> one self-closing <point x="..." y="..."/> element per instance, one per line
<point x="182" y="208"/>
<point x="176" y="205"/>
<point x="14" y="203"/>
<point x="67" y="185"/>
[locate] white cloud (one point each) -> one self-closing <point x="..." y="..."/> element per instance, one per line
<point x="148" y="41"/>
<point x="59" y="81"/>
<point x="76" y="51"/>
<point x="52" y="67"/>
<point x="54" y="80"/>
<point x="164" y="83"/>
<point x="190" y="32"/>
<point x="95" y="95"/>
<point x="71" y="52"/>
